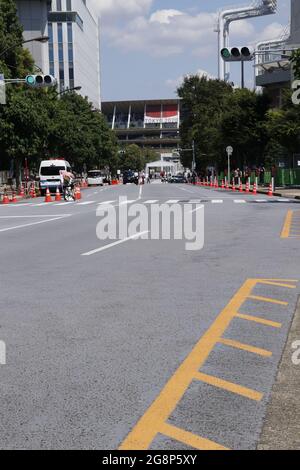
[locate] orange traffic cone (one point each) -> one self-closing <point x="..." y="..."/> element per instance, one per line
<point x="32" y="191"/>
<point x="247" y="187"/>
<point x="22" y="192"/>
<point x="270" y="193"/>
<point x="241" y="188"/>
<point x="77" y="193"/>
<point x="13" y="197"/>
<point x="223" y="185"/>
<point x="254" y="189"/>
<point x="227" y="185"/>
<point x="233" y="185"/>
<point x="5" y="198"/>
<point x="217" y="183"/>
<point x="48" y="196"/>
<point x="57" y="195"/>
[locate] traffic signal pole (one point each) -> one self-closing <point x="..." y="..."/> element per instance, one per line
<point x="242" y="74"/>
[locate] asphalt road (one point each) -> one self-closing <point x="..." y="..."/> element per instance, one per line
<point x="93" y="341"/>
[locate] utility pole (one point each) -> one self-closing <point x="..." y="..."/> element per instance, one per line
<point x="194" y="156"/>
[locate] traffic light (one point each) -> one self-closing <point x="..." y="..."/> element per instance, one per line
<point x="236" y="54"/>
<point x="40" y="81"/>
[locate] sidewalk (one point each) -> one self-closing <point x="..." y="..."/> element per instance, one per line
<point x="281" y="192"/>
<point x="281" y="429"/>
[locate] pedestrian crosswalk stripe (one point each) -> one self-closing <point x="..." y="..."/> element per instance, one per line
<point x="240" y="201"/>
<point x="42" y="204"/>
<point x="217" y="201"/>
<point x="195" y="201"/>
<point x="261" y="200"/>
<point x="105" y="203"/>
<point x="151" y="202"/>
<point x="173" y="201"/>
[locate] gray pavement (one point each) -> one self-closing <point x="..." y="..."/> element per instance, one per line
<point x="92" y="341"/>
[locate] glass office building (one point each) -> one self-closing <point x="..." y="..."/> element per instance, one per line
<point x="72" y="53"/>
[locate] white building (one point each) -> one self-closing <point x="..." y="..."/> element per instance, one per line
<point x="72" y="54"/>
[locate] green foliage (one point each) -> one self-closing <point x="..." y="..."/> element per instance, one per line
<point x="295" y="60"/>
<point x="204" y="102"/>
<point x="215" y="116"/>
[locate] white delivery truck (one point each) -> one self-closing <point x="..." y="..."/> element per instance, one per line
<point x="50" y="174"/>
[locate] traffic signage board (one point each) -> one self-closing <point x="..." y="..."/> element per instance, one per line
<point x="229" y="150"/>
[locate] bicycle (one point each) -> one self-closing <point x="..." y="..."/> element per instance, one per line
<point x="69" y="192"/>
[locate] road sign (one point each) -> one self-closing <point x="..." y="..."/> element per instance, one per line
<point x="2" y="89"/>
<point x="229" y="150"/>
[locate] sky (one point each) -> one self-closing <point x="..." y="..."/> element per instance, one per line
<point x="148" y="46"/>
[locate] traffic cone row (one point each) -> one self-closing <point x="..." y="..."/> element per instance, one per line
<point x="270" y="193"/>
<point x="5" y="198"/>
<point x="48" y="196"/>
<point x="57" y="195"/>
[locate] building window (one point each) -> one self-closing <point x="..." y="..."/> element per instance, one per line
<point x="61" y="56"/>
<point x="51" y="49"/>
<point x="70" y="55"/>
<point x="58" y="5"/>
<point x="69" y="5"/>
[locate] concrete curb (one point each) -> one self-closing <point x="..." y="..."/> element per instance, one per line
<point x="281" y="429"/>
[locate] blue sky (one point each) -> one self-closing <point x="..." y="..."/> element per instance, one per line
<point x="148" y="45"/>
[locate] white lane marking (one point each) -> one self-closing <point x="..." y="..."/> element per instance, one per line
<point x="195" y="201"/>
<point x="140" y="191"/>
<point x="172" y="201"/>
<point x="261" y="200"/>
<point x="239" y="201"/>
<point x="151" y="201"/>
<point x="128" y="202"/>
<point x="42" y="204"/>
<point x="217" y="201"/>
<point x="86" y="203"/>
<point x="197" y="209"/>
<point x="106" y="247"/>
<point x="16" y="205"/>
<point x="32" y="216"/>
<point x="282" y="199"/>
<point x="106" y="202"/>
<point x="29" y="225"/>
<point x="64" y="203"/>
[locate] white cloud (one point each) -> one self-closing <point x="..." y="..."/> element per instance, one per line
<point x="176" y="82"/>
<point x="120" y="8"/>
<point x="164" y="16"/>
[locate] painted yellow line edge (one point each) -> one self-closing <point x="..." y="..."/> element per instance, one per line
<point x="229" y="386"/>
<point x="260" y="320"/>
<point x="287" y="225"/>
<point x="149" y="425"/>
<point x="268" y="300"/>
<point x="279" y="284"/>
<point x="245" y="347"/>
<point x="189" y="438"/>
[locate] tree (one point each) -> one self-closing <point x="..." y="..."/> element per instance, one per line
<point x="203" y="103"/>
<point x="242" y="126"/>
<point x="132" y="158"/>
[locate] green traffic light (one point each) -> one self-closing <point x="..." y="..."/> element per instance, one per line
<point x="30" y="80"/>
<point x="225" y="53"/>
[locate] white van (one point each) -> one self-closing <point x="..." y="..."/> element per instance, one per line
<point x="50" y="173"/>
<point x="95" y="178"/>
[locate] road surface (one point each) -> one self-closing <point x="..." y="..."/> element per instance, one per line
<point x="143" y="344"/>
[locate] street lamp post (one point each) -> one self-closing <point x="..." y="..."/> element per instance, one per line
<point x="41" y="39"/>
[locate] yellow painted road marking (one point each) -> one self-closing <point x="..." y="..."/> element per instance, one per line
<point x="245" y="347"/>
<point x="229" y="386"/>
<point x="287" y="225"/>
<point x="189" y="439"/>
<point x="291" y="224"/>
<point x="155" y="418"/>
<point x="267" y="299"/>
<point x="259" y="320"/>
<point x="274" y="283"/>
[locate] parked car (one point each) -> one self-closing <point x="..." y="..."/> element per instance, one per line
<point x="95" y="178"/>
<point x="177" y="179"/>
